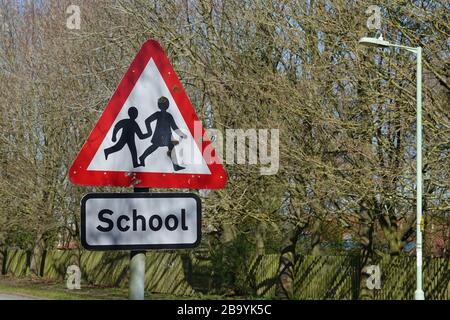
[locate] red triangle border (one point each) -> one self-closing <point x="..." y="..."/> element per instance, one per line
<point x="78" y="173"/>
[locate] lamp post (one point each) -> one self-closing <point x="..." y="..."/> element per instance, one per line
<point x="379" y="42"/>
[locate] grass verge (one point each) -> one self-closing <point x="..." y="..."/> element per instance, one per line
<point x="44" y="289"/>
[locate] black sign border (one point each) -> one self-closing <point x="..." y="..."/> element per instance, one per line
<point x="120" y="195"/>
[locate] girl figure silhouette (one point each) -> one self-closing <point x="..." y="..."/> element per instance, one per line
<point x="163" y="132"/>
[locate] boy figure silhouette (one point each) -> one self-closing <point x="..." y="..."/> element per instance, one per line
<point x="163" y="132"/>
<point x="130" y="128"/>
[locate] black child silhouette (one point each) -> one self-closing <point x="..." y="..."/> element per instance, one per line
<point x="163" y="132"/>
<point x="130" y="128"/>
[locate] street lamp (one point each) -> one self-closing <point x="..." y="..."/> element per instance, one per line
<point x="379" y="42"/>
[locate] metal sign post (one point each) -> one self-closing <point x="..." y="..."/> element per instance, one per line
<point x="137" y="269"/>
<point x="137" y="275"/>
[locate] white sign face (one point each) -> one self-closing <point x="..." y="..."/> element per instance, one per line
<point x="144" y="99"/>
<point x="133" y="221"/>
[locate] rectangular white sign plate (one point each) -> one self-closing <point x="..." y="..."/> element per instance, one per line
<point x="137" y="221"/>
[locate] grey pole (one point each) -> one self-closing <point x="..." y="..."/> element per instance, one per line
<point x="137" y="275"/>
<point x="137" y="269"/>
<point x="379" y="42"/>
<point x="419" y="294"/>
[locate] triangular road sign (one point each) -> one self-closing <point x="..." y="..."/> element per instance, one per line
<point x="149" y="134"/>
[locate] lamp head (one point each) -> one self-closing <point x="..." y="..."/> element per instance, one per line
<point x="374" y="42"/>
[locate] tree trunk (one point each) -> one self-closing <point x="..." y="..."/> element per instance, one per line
<point x="366" y="259"/>
<point x="285" y="285"/>
<point x="37" y="255"/>
<point x="315" y="238"/>
<point x="3" y="261"/>
<point x="228" y="234"/>
<point x="259" y="239"/>
<point x="35" y="259"/>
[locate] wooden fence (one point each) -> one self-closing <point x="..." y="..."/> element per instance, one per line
<point x="337" y="277"/>
<point x="164" y="274"/>
<point x="322" y="277"/>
